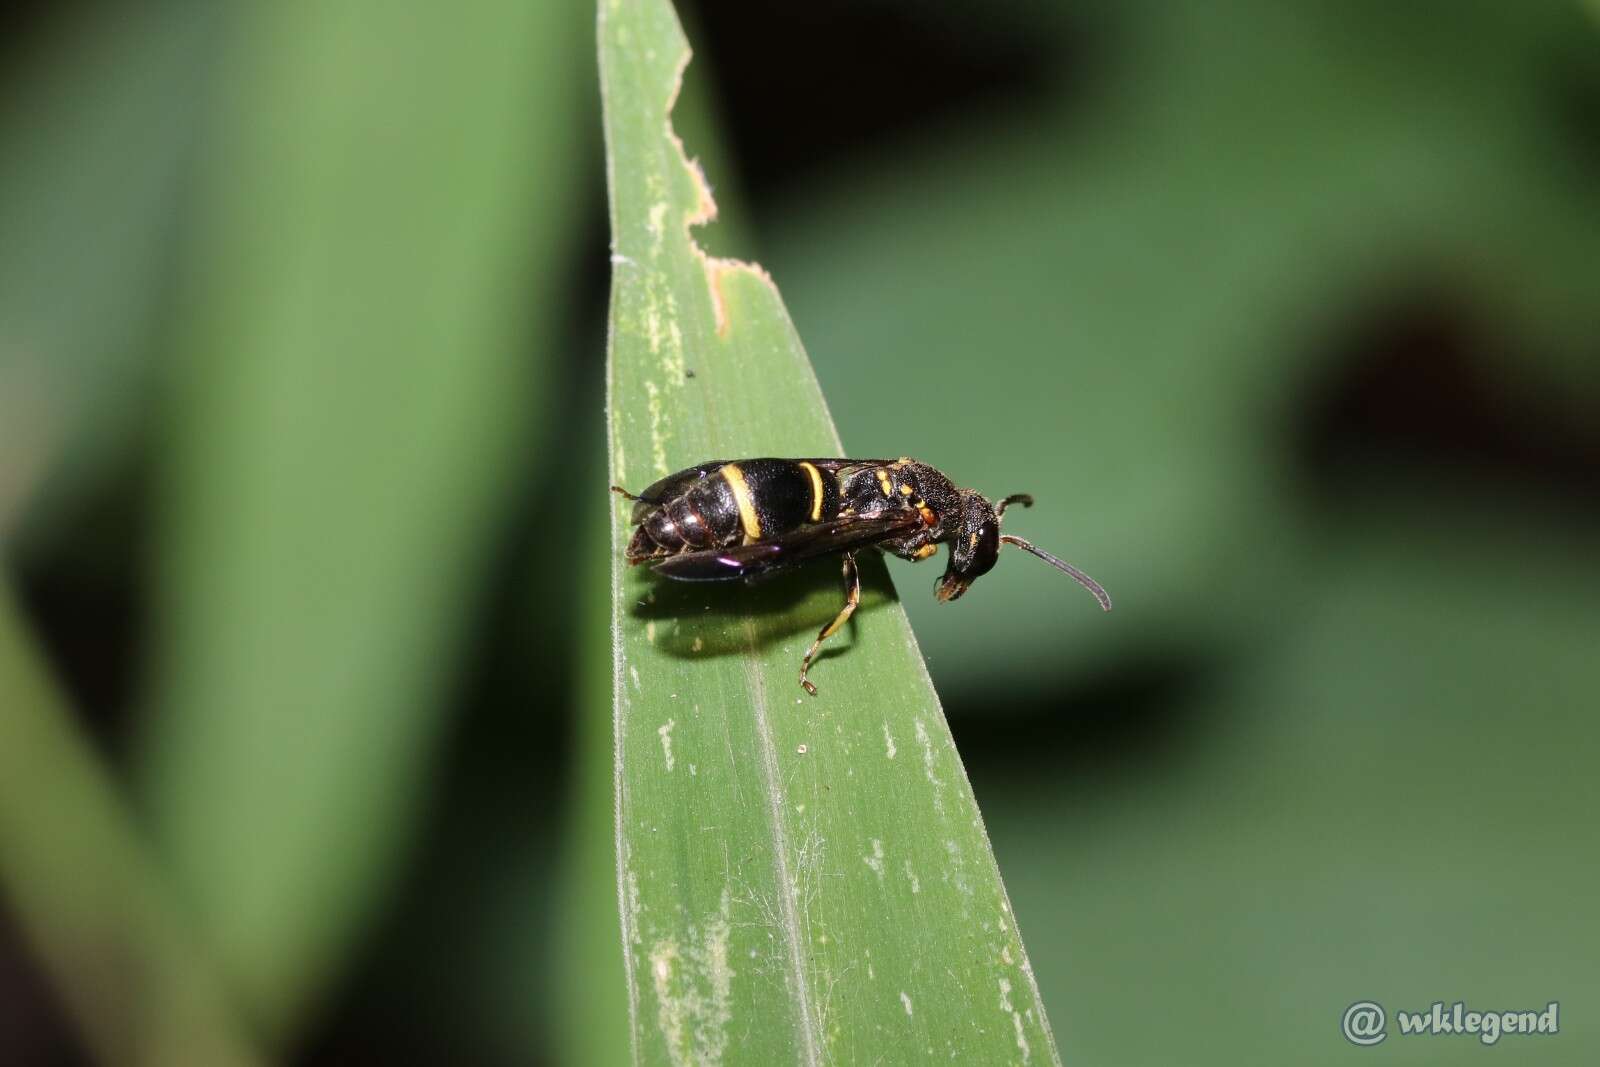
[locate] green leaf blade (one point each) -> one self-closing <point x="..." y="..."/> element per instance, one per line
<point x="800" y="880"/>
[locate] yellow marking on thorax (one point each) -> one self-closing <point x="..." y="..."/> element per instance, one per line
<point x="925" y="551"/>
<point x="885" y="484"/>
<point x="905" y="489"/>
<point x="816" y="490"/>
<point x="741" y="496"/>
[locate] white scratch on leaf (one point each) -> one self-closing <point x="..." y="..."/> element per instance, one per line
<point x="905" y="1000"/>
<point x="674" y="364"/>
<point x="875" y="861"/>
<point x="657" y="222"/>
<point x="957" y="874"/>
<point x="669" y="1009"/>
<point x="888" y="741"/>
<point x="664" y="731"/>
<point x="634" y="905"/>
<point x="652" y="326"/>
<point x="1016" y="1019"/>
<point x="658" y="435"/>
<point x="928" y="764"/>
<point x="694" y="990"/>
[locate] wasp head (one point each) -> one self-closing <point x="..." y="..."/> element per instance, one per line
<point x="974" y="546"/>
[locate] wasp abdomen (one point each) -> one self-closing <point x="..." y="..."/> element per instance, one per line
<point x="736" y="503"/>
<point x="683" y="523"/>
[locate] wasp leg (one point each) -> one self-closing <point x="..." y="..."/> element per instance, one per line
<point x="852" y="597"/>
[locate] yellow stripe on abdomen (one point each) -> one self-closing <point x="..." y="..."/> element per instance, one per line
<point x="741" y="496"/>
<point x="816" y="490"/>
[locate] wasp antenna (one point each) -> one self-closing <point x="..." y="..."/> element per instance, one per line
<point x="1015" y="498"/>
<point x="1062" y="565"/>
<point x="617" y="489"/>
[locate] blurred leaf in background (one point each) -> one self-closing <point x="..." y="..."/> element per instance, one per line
<point x="352" y="224"/>
<point x="381" y="239"/>
<point x="121" y="955"/>
<point x="97" y="119"/>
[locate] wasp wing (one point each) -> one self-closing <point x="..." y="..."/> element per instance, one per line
<point x="670" y="486"/>
<point x="786" y="550"/>
<point x="835" y="465"/>
<point x="661" y="491"/>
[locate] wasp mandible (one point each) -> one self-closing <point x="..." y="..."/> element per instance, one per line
<point x="748" y="518"/>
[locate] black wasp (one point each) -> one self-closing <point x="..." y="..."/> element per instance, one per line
<point x="748" y="518"/>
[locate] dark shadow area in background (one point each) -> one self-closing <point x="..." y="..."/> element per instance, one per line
<point x="1574" y="91"/>
<point x="501" y="780"/>
<point x="85" y="601"/>
<point x="20" y="20"/>
<point x="85" y="598"/>
<point x="1416" y="382"/>
<point x="799" y="95"/>
<point x="1118" y="723"/>
<point x="34" y="1030"/>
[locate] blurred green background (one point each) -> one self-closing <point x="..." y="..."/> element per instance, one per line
<point x="1286" y="312"/>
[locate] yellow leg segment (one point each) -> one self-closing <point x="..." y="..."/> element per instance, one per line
<point x="852" y="597"/>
